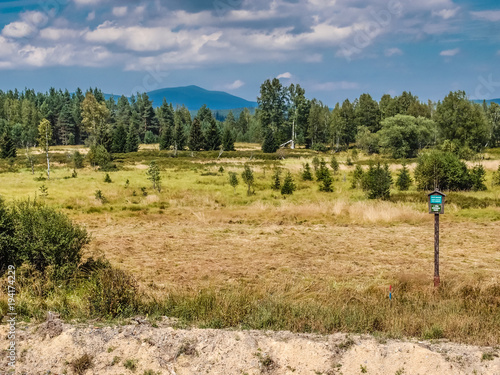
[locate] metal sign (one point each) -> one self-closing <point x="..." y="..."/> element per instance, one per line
<point x="436" y="202"/>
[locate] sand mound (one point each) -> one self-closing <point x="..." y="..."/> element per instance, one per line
<point x="139" y="348"/>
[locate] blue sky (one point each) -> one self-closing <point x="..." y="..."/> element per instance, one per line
<point x="335" y="49"/>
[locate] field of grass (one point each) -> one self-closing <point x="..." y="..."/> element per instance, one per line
<point x="312" y="261"/>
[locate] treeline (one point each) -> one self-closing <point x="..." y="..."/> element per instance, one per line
<point x="117" y="125"/>
<point x="400" y="125"/>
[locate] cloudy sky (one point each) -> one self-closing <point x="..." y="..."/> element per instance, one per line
<point x="335" y="49"/>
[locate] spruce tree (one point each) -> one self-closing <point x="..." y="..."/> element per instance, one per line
<point x="306" y="173"/>
<point x="377" y="182"/>
<point x="212" y="137"/>
<point x="195" y="141"/>
<point x="326" y="184"/>
<point x="132" y="144"/>
<point x="179" y="136"/>
<point x="270" y="144"/>
<point x="233" y="180"/>
<point x="288" y="185"/>
<point x="228" y="139"/>
<point x="7" y="146"/>
<point x="357" y="177"/>
<point x="404" y="179"/>
<point x="276" y="185"/>
<point x="322" y="171"/>
<point x="119" y="144"/>
<point x="334" y="164"/>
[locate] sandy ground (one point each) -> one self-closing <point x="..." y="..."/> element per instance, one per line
<point x="52" y="348"/>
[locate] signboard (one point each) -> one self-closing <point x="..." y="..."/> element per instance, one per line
<point x="436" y="202"/>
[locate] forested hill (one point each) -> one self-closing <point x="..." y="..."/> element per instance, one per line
<point x="194" y="97"/>
<point x="489" y="101"/>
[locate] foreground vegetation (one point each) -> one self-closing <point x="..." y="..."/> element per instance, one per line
<point x="201" y="249"/>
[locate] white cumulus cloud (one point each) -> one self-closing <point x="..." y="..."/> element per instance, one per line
<point x="235" y="85"/>
<point x="450" y="52"/>
<point x="393" y="52"/>
<point x="120" y="11"/>
<point x="487" y="15"/>
<point x="286" y="75"/>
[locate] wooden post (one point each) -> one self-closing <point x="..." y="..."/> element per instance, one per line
<point x="436" y="250"/>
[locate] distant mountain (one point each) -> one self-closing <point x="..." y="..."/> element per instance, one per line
<point x="193" y="97"/>
<point x="489" y="101"/>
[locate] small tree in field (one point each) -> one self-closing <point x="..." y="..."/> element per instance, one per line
<point x="306" y="173"/>
<point x="334" y="164"/>
<point x="233" y="180"/>
<point x="44" y="140"/>
<point x="404" y="180"/>
<point x="326" y="184"/>
<point x="377" y="181"/>
<point x="153" y="173"/>
<point x="357" y="177"/>
<point x="276" y="185"/>
<point x="288" y="185"/>
<point x="247" y="177"/>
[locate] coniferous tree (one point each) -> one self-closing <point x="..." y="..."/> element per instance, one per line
<point x="212" y="136"/>
<point x="247" y="176"/>
<point x="233" y="180"/>
<point x="326" y="182"/>
<point x="306" y="173"/>
<point x="270" y="144"/>
<point x="7" y="146"/>
<point x="334" y="164"/>
<point x="165" y="116"/>
<point x="357" y="177"/>
<point x="288" y="185"/>
<point x="377" y="181"/>
<point x="228" y="139"/>
<point x="195" y="141"/>
<point x="276" y="184"/>
<point x="119" y="144"/>
<point x="404" y="179"/>
<point x="132" y="144"/>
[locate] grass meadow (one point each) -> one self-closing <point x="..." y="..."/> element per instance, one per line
<point x="213" y="256"/>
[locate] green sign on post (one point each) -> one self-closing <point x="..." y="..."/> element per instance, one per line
<point x="436" y="207"/>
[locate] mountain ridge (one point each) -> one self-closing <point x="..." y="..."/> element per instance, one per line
<point x="194" y="97"/>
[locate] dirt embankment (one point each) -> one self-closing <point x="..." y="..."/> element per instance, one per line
<point x="139" y="348"/>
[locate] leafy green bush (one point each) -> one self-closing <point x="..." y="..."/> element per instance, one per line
<point x="38" y="235"/>
<point x="443" y="170"/>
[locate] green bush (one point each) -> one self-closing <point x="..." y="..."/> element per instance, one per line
<point x="443" y="170"/>
<point x="77" y="160"/>
<point x="40" y="236"/>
